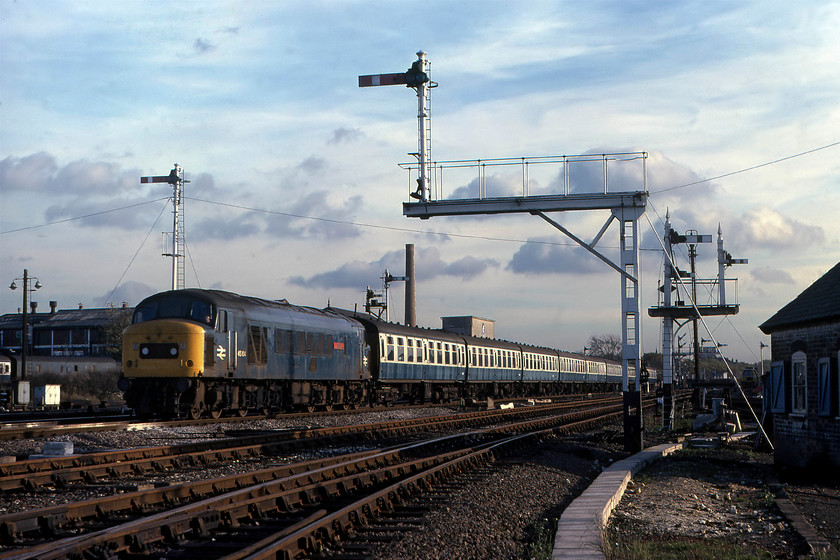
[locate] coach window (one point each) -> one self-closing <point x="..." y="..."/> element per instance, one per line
<point x="410" y="349"/>
<point x="799" y="384"/>
<point x="390" y="348"/>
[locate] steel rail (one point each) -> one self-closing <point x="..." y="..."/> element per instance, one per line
<point x="33" y="473"/>
<point x="341" y="524"/>
<point x="288" y="495"/>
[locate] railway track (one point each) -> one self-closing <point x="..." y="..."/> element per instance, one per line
<point x="88" y="468"/>
<point x="19" y="426"/>
<point x="285" y="511"/>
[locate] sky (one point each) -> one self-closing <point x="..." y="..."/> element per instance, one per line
<point x="295" y="189"/>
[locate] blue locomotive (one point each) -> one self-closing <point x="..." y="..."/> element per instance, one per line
<point x="201" y="352"/>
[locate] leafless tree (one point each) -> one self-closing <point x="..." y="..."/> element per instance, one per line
<point x="604" y="346"/>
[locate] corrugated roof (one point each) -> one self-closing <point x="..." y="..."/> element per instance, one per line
<point x="819" y="302"/>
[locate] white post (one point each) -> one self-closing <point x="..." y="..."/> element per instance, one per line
<point x="721" y="268"/>
<point x="424" y="189"/>
<point x="176" y="200"/>
<point x="667" y="335"/>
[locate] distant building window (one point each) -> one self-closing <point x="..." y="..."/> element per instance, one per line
<point x="799" y="383"/>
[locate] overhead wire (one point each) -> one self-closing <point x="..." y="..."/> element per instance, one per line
<point x="74" y="218"/>
<point x="137" y="252"/>
<point x="760" y="165"/>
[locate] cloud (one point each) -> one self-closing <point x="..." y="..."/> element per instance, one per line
<point x="331" y="217"/>
<point x="40" y="172"/>
<point x="469" y="267"/>
<point x="427" y="262"/>
<point x="539" y="256"/>
<point x="227" y="228"/>
<point x="496" y="185"/>
<point x="203" y="46"/>
<point x="312" y="165"/>
<point x="130" y="292"/>
<point x="771" y="275"/>
<point x="102" y="193"/>
<point x="345" y="135"/>
<point x="31" y="173"/>
<point x="354" y="274"/>
<point x="769" y="229"/>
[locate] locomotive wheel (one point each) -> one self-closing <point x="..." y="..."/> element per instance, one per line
<point x="309" y="408"/>
<point x="242" y="412"/>
<point x="194" y="413"/>
<point x="328" y="407"/>
<point x="216" y="413"/>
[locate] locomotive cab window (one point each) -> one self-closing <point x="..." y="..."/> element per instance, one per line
<point x="176" y="306"/>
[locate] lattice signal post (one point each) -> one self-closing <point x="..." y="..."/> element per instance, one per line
<point x="672" y="311"/>
<point x="416" y="77"/>
<point x="176" y="179"/>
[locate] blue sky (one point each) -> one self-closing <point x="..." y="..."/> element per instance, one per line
<point x="295" y="190"/>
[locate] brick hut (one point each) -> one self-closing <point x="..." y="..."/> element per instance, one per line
<point x="802" y="386"/>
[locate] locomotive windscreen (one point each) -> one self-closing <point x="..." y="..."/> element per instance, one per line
<point x="175" y="306"/>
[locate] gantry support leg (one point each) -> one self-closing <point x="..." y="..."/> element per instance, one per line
<point x="630" y="322"/>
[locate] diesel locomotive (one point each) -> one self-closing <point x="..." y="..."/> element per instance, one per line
<point x="195" y="352"/>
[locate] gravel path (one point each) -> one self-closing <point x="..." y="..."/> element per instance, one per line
<point x="510" y="513"/>
<point x="718" y="497"/>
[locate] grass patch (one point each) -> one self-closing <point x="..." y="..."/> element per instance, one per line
<point x="541" y="539"/>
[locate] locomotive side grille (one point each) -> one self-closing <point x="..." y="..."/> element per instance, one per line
<point x="209" y="351"/>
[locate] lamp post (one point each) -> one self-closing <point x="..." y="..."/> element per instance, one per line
<point x="24" y="330"/>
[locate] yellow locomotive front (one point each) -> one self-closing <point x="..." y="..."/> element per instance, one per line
<point x="163" y="348"/>
<point x="164" y="355"/>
